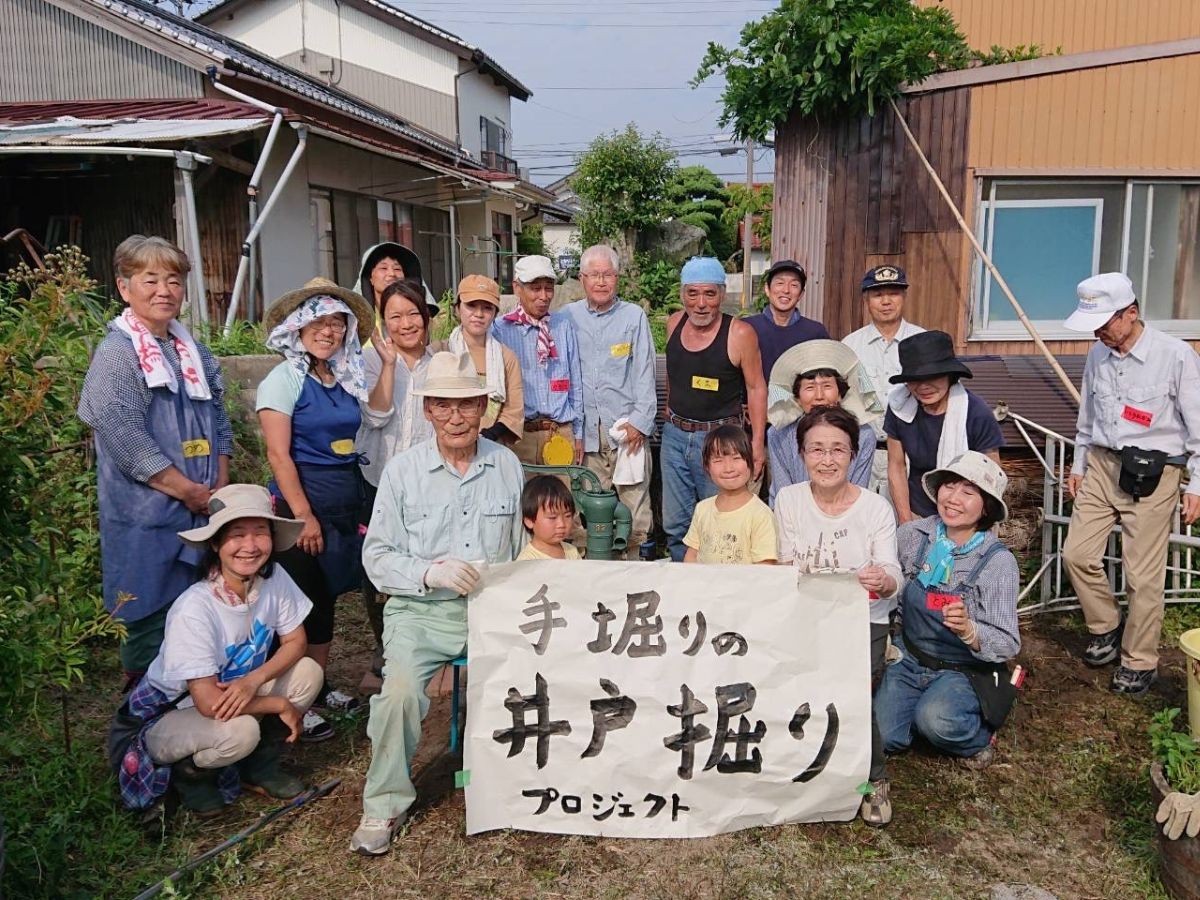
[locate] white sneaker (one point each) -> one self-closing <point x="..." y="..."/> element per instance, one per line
<point x="374" y="836"/>
<point x="338" y="702"/>
<point x="316" y="729"/>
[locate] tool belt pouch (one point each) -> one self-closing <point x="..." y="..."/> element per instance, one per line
<point x="1141" y="471"/>
<point x="996" y="694"/>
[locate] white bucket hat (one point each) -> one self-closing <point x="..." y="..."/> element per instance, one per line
<point x="450" y="376"/>
<point x="243" y="501"/>
<point x="982" y="471"/>
<point x="1100" y="298"/>
<point x="808" y="357"/>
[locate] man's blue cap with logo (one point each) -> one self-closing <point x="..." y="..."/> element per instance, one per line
<point x="884" y="277"/>
<point x="702" y="270"/>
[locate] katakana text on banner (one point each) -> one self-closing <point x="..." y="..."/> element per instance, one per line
<point x="664" y="700"/>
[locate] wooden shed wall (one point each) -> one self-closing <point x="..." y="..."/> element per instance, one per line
<point x="1073" y="25"/>
<point x="802" y="169"/>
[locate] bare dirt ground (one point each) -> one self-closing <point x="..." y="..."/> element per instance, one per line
<point x="1066" y="807"/>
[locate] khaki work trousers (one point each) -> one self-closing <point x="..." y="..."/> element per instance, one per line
<point x="185" y="732"/>
<point x="529" y="447"/>
<point x="1146" y="527"/>
<point x="635" y="496"/>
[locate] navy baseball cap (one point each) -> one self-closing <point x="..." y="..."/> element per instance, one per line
<point x="884" y="276"/>
<point x="786" y="265"/>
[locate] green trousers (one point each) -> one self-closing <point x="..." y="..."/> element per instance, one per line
<point x="419" y="637"/>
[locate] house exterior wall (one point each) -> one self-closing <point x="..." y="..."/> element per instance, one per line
<point x="1073" y="25"/>
<point x="479" y="95"/>
<point x="48" y="53"/>
<point x="287" y="253"/>
<point x="560" y="239"/>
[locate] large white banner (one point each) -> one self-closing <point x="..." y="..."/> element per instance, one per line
<point x="664" y="700"/>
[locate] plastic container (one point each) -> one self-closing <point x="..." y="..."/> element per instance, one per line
<point x="1189" y="643"/>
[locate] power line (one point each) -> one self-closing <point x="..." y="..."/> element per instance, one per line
<point x="512" y="24"/>
<point x="678" y="87"/>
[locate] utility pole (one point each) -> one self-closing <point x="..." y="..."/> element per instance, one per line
<point x="748" y="227"/>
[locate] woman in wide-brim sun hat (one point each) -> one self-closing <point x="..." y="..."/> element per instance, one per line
<point x="309" y="410"/>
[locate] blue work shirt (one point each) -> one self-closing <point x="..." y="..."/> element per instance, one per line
<point x="554" y="390"/>
<point x="616" y="353"/>
<point x="426" y="511"/>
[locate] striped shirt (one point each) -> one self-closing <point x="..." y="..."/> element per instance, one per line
<point x="115" y="399"/>
<point x="554" y="390"/>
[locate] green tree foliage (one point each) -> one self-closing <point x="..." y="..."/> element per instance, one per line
<point x="698" y="197"/>
<point x="757" y="201"/>
<point x="829" y="58"/>
<point x="530" y="240"/>
<point x="621" y="183"/>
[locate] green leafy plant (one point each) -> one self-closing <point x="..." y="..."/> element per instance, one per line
<point x="243" y="339"/>
<point x="757" y="201"/>
<point x="997" y="55"/>
<point x="530" y="240"/>
<point x="698" y="197"/>
<point x="621" y="183"/>
<point x="1176" y="750"/>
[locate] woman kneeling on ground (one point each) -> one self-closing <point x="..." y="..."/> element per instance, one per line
<point x="213" y="710"/>
<point x="959" y="608"/>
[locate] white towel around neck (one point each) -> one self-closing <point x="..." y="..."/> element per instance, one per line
<point x="493" y="359"/>
<point x="953" y="442"/>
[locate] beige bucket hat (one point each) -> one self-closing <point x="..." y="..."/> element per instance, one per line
<point x="982" y="471"/>
<point x="243" y="501"/>
<point x="284" y="306"/>
<point x="808" y="357"/>
<point x="451" y="376"/>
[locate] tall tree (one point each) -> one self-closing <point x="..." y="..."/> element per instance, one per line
<point x="698" y="197"/>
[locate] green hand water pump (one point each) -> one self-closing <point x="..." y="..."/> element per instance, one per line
<point x="607" y="519"/>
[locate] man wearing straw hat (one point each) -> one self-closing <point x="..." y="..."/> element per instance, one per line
<point x="1139" y="425"/>
<point x="444" y="507"/>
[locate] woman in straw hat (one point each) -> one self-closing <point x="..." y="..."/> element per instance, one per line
<point x="815" y="373"/>
<point x="213" y="709"/>
<point x="308" y="407"/>
<point x="154" y="398"/>
<point x="959" y="606"/>
<point x="827" y="524"/>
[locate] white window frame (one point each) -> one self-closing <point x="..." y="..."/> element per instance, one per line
<point x="980" y="328"/>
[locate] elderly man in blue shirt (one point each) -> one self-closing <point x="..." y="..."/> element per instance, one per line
<point x="620" y="400"/>
<point x="444" y="507"/>
<point x="544" y="343"/>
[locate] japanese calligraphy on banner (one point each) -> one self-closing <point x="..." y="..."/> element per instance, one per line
<point x="664" y="700"/>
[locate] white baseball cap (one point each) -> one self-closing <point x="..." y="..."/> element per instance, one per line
<point x="1100" y="297"/>
<point x="531" y="268"/>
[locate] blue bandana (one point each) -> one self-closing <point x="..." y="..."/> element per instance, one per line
<point x="938" y="566"/>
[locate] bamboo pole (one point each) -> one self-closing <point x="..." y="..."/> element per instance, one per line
<point x="987" y="260"/>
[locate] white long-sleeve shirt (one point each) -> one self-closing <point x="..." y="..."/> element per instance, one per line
<point x="1147" y="398"/>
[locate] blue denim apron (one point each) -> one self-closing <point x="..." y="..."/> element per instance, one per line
<point x="922" y="611"/>
<point x="140" y="553"/>
<point x="324" y="423"/>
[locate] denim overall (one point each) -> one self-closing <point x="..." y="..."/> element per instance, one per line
<point x="140" y="553"/>
<point x="324" y="423"/>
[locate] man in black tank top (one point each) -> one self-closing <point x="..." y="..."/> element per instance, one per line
<point x="712" y="358"/>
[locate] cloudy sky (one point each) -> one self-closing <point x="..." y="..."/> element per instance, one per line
<point x="596" y="65"/>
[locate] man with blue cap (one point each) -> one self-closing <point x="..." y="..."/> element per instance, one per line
<point x="712" y="362"/>
<point x="1139" y="427"/>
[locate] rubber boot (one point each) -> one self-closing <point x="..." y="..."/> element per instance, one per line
<point x="260" y="771"/>
<point x="197" y="788"/>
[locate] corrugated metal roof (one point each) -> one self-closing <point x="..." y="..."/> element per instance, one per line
<point x="1029" y="388"/>
<point x="67" y="131"/>
<point x="239" y="57"/>
<point x="48" y="111"/>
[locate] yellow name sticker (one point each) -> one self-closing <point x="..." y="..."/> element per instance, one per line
<point x="620" y="351"/>
<point x="343" y="447"/>
<point x="700" y="383"/>
<point x="198" y="447"/>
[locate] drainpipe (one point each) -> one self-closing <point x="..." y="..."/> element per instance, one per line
<point x="252" y="189"/>
<point x="186" y="163"/>
<point x="454" y="248"/>
<point x="244" y="264"/>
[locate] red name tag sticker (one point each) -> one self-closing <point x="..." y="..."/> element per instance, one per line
<point x="940" y="601"/>
<point x="560" y="385"/>
<point x="1137" y="416"/>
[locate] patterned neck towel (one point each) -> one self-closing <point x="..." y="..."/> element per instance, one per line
<point x="546" y="348"/>
<point x="939" y="560"/>
<point x="154" y="365"/>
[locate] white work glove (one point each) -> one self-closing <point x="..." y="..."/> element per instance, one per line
<point x="452" y="574"/>
<point x="1180" y="813"/>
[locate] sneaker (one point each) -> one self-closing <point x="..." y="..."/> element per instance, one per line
<point x="876" y="809"/>
<point x="336" y="701"/>
<point x="979" y="761"/>
<point x="316" y="729"/>
<point x="1133" y="681"/>
<point x="373" y="837"/>
<point x="1103" y="649"/>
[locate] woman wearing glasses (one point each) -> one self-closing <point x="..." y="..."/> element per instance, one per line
<point x="828" y="524"/>
<point x="308" y="407"/>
